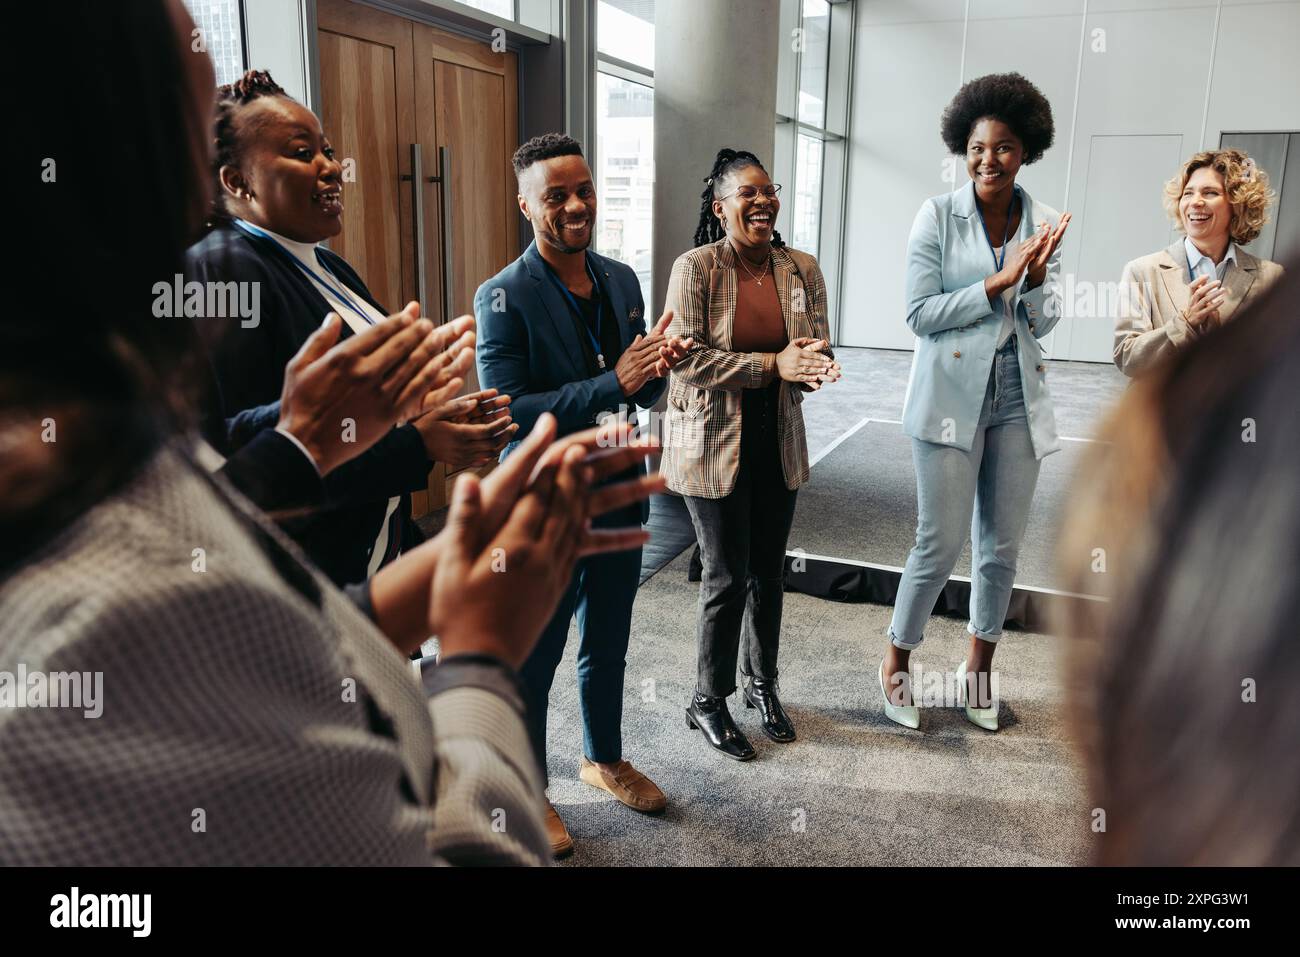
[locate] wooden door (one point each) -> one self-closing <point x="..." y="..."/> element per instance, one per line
<point x="466" y="104"/>
<point x="367" y="112"/>
<point x="387" y="84"/>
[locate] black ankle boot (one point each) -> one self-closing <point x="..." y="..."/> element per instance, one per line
<point x="711" y="716"/>
<point x="760" y="693"/>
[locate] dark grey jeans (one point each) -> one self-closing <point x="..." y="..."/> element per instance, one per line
<point x="742" y="540"/>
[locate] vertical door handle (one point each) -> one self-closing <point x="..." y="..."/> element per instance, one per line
<point x="445" y="232"/>
<point x="417" y="195"/>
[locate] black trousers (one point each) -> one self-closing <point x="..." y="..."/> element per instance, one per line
<point x="742" y="539"/>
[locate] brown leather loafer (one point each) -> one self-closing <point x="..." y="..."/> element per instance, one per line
<point x="627" y="784"/>
<point x="561" y="842"/>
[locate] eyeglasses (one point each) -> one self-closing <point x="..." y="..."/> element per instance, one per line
<point x="751" y="192"/>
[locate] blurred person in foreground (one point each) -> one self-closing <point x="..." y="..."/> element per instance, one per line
<point x="178" y="653"/>
<point x="1182" y="687"/>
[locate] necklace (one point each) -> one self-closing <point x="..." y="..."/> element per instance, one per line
<point x="758" y="280"/>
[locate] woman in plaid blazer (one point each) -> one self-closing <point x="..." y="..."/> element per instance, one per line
<point x="734" y="443"/>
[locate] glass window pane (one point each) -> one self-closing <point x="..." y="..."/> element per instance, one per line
<point x="625" y="29"/>
<point x="812" y="61"/>
<point x="505" y="9"/>
<point x="223" y="35"/>
<point x="807" y="195"/>
<point x="625" y="173"/>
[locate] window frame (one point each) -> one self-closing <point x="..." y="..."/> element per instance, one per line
<point x="617" y="69"/>
<point x="241" y="16"/>
<point x="834" y="133"/>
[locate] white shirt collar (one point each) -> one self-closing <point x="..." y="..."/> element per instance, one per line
<point x="1194" y="255"/>
<point x="304" y="251"/>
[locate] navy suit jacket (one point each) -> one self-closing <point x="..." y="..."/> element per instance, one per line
<point x="528" y="347"/>
<point x="247" y="366"/>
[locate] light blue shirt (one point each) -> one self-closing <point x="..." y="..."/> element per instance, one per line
<point x="1202" y="265"/>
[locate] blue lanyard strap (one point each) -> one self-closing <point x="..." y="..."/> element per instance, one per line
<point x="337" y="287"/>
<point x="600" y="309"/>
<point x="998" y="260"/>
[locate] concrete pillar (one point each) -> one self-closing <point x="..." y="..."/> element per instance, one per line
<point x="715" y="86"/>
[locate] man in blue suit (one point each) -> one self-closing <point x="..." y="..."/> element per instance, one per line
<point x="562" y="330"/>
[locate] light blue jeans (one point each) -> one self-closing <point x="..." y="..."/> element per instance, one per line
<point x="995" y="480"/>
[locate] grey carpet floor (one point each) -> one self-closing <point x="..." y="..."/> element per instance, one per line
<point x="855" y="789"/>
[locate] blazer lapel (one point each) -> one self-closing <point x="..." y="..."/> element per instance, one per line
<point x="1173" y="274"/>
<point x="616" y="301"/>
<point x="557" y="309"/>
<point x="797" y="324"/>
<point x="386" y="676"/>
<point x="1237" y="280"/>
<point x="967" y="221"/>
<point x="317" y="304"/>
<point x="722" y="295"/>
<point x="380" y="670"/>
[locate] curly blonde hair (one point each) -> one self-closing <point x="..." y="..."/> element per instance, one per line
<point x="1245" y="184"/>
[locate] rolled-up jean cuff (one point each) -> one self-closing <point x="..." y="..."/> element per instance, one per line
<point x="991" y="637"/>
<point x="902" y="645"/>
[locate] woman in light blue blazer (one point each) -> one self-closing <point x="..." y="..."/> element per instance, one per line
<point x="981" y="292"/>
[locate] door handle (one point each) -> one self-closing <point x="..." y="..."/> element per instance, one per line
<point x="443" y="179"/>
<point x="417" y="181"/>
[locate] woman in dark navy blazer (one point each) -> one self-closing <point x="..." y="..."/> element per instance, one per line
<point x="278" y="197"/>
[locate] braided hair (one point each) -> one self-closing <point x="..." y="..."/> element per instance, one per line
<point x="727" y="161"/>
<point x="253" y="85"/>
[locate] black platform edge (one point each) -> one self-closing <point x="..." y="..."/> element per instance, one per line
<point x="1031" y="609"/>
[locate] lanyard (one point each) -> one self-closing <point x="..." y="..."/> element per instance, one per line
<point x="999" y="260"/>
<point x="600" y="309"/>
<point x="337" y="287"/>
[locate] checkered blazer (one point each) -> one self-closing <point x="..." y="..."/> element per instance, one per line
<point x="702" y="429"/>
<point x="250" y="713"/>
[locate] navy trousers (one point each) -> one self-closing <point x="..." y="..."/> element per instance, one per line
<point x="601" y="594"/>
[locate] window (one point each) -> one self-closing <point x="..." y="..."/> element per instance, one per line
<point x="625" y="171"/>
<point x="222" y="34"/>
<point x="624" y="157"/>
<point x="806" y="223"/>
<point x="814" y="56"/>
<point x="625" y="30"/>
<point x="505" y="9"/>
<point x="812" y="121"/>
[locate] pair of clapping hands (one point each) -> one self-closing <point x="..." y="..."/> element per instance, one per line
<point x="340" y="398"/>
<point x="489" y="582"/>
<point x="803" y="362"/>
<point x="651" y="356"/>
<point x="1202" y="312"/>
<point x="1029" y="259"/>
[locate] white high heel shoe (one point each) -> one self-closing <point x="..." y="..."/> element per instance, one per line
<point x="986" y="718"/>
<point x="909" y="716"/>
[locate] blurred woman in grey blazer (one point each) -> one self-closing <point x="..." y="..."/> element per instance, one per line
<point x="177" y="684"/>
<point x="1220" y="200"/>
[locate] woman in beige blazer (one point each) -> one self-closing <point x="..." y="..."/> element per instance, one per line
<point x="734" y="444"/>
<point x="1220" y="200"/>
